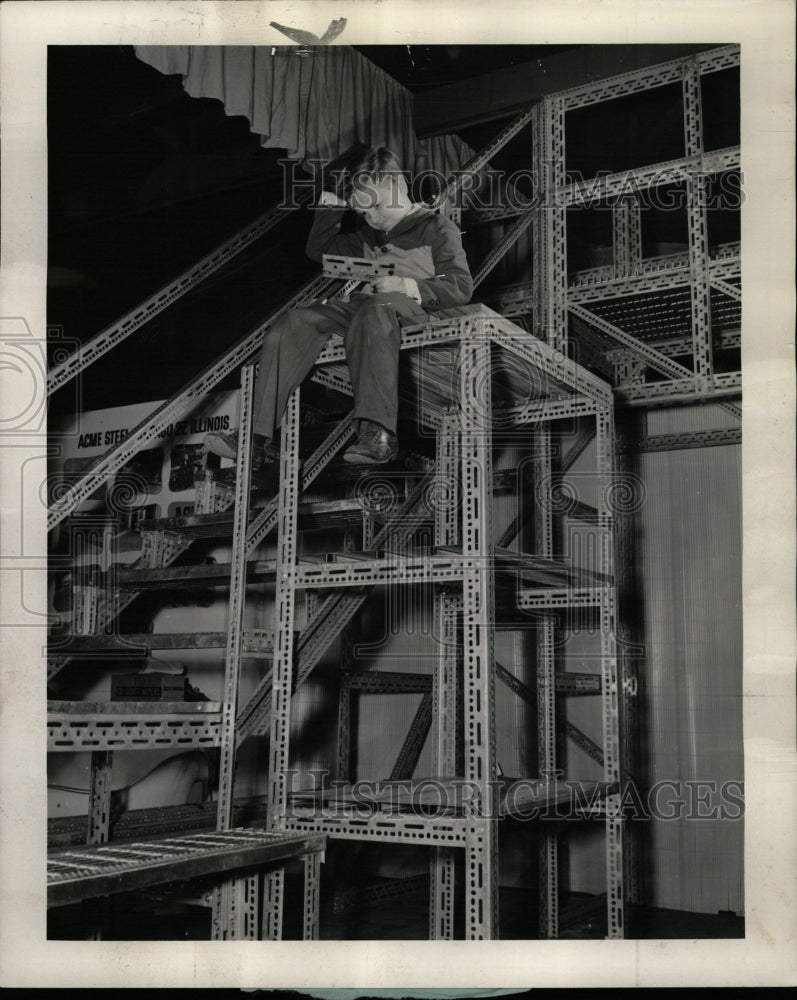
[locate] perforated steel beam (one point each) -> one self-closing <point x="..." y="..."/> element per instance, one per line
<point x="678" y="391"/>
<point x="605" y="443"/>
<point x="99" y="817"/>
<point x="558" y="598"/>
<point x="688" y="439"/>
<point x="550" y="311"/>
<point x="386" y="682"/>
<point x="602" y="187"/>
<point x="656" y="360"/>
<point x="80" y="729"/>
<point x="501" y="250"/>
<point x="447" y="608"/>
<point x="446" y="682"/>
<point x="312" y="897"/>
<point x="697" y="220"/>
<point x="109" y="338"/>
<point x="411" y="749"/>
<point x="480" y="160"/>
<point x="711" y="61"/>
<point x="546" y="690"/>
<point x="627" y="236"/>
<point x="478" y="618"/>
<point x="423" y="831"/>
<point x="730" y="290"/>
<point x="152" y="426"/>
<point x="237" y="598"/>
<point x="281" y="679"/>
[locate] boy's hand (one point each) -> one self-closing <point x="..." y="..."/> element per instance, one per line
<point x="393" y="283"/>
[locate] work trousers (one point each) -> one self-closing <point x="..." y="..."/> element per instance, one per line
<point x="370" y="325"/>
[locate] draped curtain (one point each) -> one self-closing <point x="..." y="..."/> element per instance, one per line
<point x="315" y="105"/>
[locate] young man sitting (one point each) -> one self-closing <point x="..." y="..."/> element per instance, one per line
<point x="431" y="272"/>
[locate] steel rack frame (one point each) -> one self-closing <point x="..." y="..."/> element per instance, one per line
<point x="466" y="560"/>
<point x="616" y="306"/>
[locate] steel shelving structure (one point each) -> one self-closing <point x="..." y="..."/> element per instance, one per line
<point x="627" y="322"/>
<point x="462" y="567"/>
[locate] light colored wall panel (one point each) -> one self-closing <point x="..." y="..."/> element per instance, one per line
<point x="691" y="701"/>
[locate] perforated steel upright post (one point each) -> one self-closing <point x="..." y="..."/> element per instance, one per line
<point x="539" y="240"/>
<point x="628" y="428"/>
<point x="546" y="686"/>
<point x="235" y="903"/>
<point x="446" y="499"/>
<point x="627" y="236"/>
<point x="696" y="195"/>
<point x="604" y="438"/>
<point x="550" y="303"/>
<point x="552" y="148"/>
<point x="282" y="669"/>
<point x="478" y="595"/>
<point x="100" y="797"/>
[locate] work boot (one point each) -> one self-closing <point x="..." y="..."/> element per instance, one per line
<point x="375" y="445"/>
<point x="225" y="445"/>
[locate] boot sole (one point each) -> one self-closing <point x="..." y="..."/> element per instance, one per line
<point x="216" y="446"/>
<point x="364" y="460"/>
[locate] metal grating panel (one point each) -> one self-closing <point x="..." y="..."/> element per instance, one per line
<point x="666" y="314"/>
<point x="98" y="871"/>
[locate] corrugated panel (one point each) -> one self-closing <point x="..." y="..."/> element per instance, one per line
<point x="691" y="698"/>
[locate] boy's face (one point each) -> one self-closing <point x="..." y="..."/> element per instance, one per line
<point x="378" y="202"/>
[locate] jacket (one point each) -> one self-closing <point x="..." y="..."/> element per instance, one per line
<point x="424" y="246"/>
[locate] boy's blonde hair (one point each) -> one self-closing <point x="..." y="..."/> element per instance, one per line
<point x="374" y="165"/>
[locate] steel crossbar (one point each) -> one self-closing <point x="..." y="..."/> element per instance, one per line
<point x="153" y="425"/>
<point x="141" y="314"/>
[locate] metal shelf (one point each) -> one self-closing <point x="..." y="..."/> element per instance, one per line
<point x="314" y="515"/>
<point x="136" y="645"/>
<point x="81" y="726"/>
<point x="138" y="824"/>
<point x="101" y="871"/>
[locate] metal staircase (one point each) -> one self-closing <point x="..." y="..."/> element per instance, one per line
<point x="468" y="374"/>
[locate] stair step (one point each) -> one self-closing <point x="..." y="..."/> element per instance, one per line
<point x="543" y="570"/>
<point x="313" y="514"/>
<point x="533" y="569"/>
<point x="182" y="576"/>
<point x="140" y="644"/>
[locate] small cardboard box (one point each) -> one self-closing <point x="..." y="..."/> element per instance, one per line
<point x="147" y="687"/>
